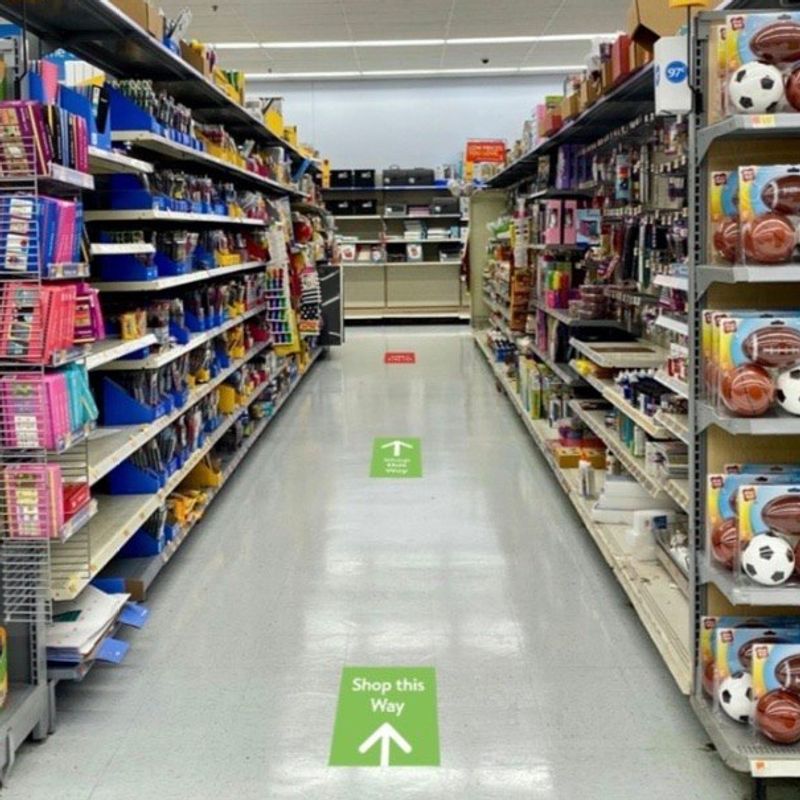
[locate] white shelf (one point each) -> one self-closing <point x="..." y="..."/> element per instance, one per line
<point x="678" y="387"/>
<point x="621" y="355"/>
<point x="609" y="391"/>
<point x="676" y="424"/>
<point x="679" y="326"/>
<point x="143" y="571"/>
<point x="563" y="371"/>
<point x="66" y="177"/>
<point x="108" y="350"/>
<point x="170" y="354"/>
<point x="156" y="215"/>
<point x="681" y="283"/>
<point x="180" y="152"/>
<point x="111" y="162"/>
<point x="120" y="516"/>
<point x="122" y="249"/>
<point x="159" y="284"/>
<point x="658" y="601"/>
<point x="635" y="465"/>
<point x="109" y="449"/>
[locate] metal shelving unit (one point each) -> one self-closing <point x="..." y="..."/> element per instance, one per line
<point x="121" y="47"/>
<point x="715" y="437"/>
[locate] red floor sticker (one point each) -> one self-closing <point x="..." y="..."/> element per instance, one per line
<point x="400" y="358"/>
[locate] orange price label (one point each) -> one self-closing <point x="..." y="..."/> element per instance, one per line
<point x="762" y="120"/>
<point x="486" y="151"/>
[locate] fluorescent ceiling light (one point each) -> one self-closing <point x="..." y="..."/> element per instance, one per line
<point x="398" y="73"/>
<point x="312" y="45"/>
<point x="236" y="46"/>
<point x="355" y="43"/>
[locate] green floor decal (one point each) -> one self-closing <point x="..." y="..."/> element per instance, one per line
<point x="396" y="458"/>
<point x="386" y="717"/>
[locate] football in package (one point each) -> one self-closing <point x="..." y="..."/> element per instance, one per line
<point x="776" y="691"/>
<point x="708" y="640"/>
<point x="769" y="211"/>
<point x="724" y="205"/>
<point x="769" y="532"/>
<point x="755" y="362"/>
<point x="722" y="494"/>
<point x="733" y="663"/>
<point x="763" y="55"/>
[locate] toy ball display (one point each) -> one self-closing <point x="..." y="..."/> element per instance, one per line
<point x="777" y="716"/>
<point x="756" y="88"/>
<point x="793" y="89"/>
<point x="748" y="390"/>
<point x="782" y="514"/>
<point x="725" y="542"/>
<point x="787" y="390"/>
<point x="726" y="239"/>
<point x="746" y="650"/>
<point x="770" y="239"/>
<point x="768" y="559"/>
<point x="778" y="43"/>
<point x="788" y="673"/>
<point x="783" y="194"/>
<point x="776" y="346"/>
<point x="736" y="696"/>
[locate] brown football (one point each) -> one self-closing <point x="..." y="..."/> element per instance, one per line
<point x="748" y="390"/>
<point x="782" y="514"/>
<point x="746" y="650"/>
<point x="769" y="239"/>
<point x="776" y="346"/>
<point x="724" y="542"/>
<point x="726" y="239"/>
<point x="783" y="194"/>
<point x="793" y="89"/>
<point x="778" y="716"/>
<point x="778" y="43"/>
<point x="788" y="672"/>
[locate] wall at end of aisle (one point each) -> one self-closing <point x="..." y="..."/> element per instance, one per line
<point x="412" y="123"/>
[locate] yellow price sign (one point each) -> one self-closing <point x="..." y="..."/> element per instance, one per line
<point x="689" y="3"/>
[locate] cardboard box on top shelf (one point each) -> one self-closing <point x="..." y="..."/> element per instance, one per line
<point x="639" y="56"/>
<point x="620" y="59"/>
<point x="607" y="77"/>
<point x="137" y="10"/>
<point x="548" y="116"/>
<point x="589" y="92"/>
<point x="155" y="22"/>
<point x="290" y="134"/>
<point x="273" y="116"/>
<point x="570" y="107"/>
<point x="194" y="54"/>
<point x="649" y="20"/>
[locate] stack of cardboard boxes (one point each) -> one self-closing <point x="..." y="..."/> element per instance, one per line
<point x="648" y="20"/>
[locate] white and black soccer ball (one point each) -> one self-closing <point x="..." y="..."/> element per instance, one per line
<point x="756" y="88"/>
<point x="736" y="696"/>
<point x="787" y="390"/>
<point x="768" y="559"/>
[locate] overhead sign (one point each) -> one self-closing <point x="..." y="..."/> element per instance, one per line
<point x="386" y="717"/>
<point x="486" y="151"/>
<point x="396" y="458"/>
<point x="400" y="358"/>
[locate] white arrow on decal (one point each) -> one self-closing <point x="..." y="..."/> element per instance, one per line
<point x="386" y="734"/>
<point x="398" y="447"/>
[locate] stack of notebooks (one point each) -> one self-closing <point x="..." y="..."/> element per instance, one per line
<point x="82" y="629"/>
<point x="439" y="233"/>
<point x="37" y="233"/>
<point x="34" y="136"/>
<point x="414" y="231"/>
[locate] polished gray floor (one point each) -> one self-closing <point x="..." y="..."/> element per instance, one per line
<point x="548" y="685"/>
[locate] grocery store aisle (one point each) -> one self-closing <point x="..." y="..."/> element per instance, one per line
<point x="548" y="685"/>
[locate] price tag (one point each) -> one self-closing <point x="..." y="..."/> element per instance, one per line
<point x="777" y="768"/>
<point x="762" y="121"/>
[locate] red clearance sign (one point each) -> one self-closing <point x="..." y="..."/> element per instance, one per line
<point x="400" y="358"/>
<point x="486" y="151"/>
